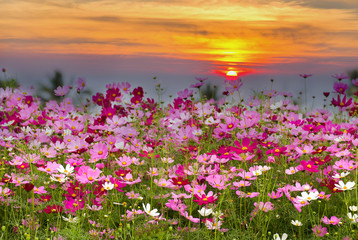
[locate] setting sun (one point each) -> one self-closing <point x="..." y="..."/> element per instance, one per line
<point x="231" y="74"/>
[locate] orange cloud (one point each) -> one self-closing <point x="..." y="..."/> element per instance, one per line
<point x="236" y="34"/>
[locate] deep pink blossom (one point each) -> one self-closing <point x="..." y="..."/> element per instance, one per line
<point x="340" y="87"/>
<point x="308" y="166"/>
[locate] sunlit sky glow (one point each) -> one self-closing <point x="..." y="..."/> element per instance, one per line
<point x="242" y="35"/>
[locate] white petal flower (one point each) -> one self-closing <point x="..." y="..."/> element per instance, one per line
<point x="276" y="236"/>
<point x="153" y="213"/>
<point x="296" y="223"/>
<point x="67" y="132"/>
<point x="257" y="172"/>
<point x="108" y="186"/>
<point x="353" y="208"/>
<point x="68" y="170"/>
<point x="119" y="145"/>
<point x="353" y="217"/>
<point x="343" y="187"/>
<point x="70" y="219"/>
<point x="205" y="211"/>
<point x="308" y="196"/>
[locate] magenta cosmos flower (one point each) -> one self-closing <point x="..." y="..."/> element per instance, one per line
<point x="305" y="75"/>
<point x="308" y="166"/>
<point x="341" y="103"/>
<point x="245" y="146"/>
<point x="340" y="87"/>
<point x="205" y="199"/>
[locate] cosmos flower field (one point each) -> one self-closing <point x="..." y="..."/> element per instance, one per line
<point x="128" y="167"/>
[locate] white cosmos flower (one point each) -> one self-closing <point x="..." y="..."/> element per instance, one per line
<point x="8" y="123"/>
<point x="296" y="223"/>
<point x="276" y="105"/>
<point x="48" y="131"/>
<point x="211" y="121"/>
<point x="205" y="211"/>
<point x="119" y="145"/>
<point x="257" y="172"/>
<point x="345" y="186"/>
<point x="153" y="213"/>
<point x="353" y="217"/>
<point x="70" y="219"/>
<point x="67" y="132"/>
<point x="58" y="178"/>
<point x="68" y="170"/>
<point x="341" y="175"/>
<point x="308" y="196"/>
<point x="276" y="236"/>
<point x="353" y="208"/>
<point x="197" y="132"/>
<point x="108" y="186"/>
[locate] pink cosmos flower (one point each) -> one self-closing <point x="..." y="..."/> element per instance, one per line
<point x="265" y="207"/>
<point x="125" y="87"/>
<point x="99" y="151"/>
<point x="355" y="81"/>
<point x="230" y="123"/>
<point x="128" y="179"/>
<point x="118" y="184"/>
<point x="241" y="183"/>
<point x="133" y="195"/>
<point x="252" y="194"/>
<point x="50" y="168"/>
<point x="62" y="91"/>
<point x="217" y="181"/>
<point x="124" y="161"/>
<point x="185" y="94"/>
<point x="198" y="189"/>
<point x="86" y="174"/>
<point x="319" y="231"/>
<point x="233" y="86"/>
<point x="342" y="104"/>
<point x="332" y="221"/>
<point x="40" y="190"/>
<point x="262" y="206"/>
<point x="175" y="204"/>
<point x="190" y="218"/>
<point x="274" y="195"/>
<point x="340" y="77"/>
<point x="277" y="151"/>
<point x="245" y="146"/>
<point x="48" y="152"/>
<point x="305" y="75"/>
<point x="213" y="223"/>
<point x="246" y="175"/>
<point x="291" y="170"/>
<point x="80" y="84"/>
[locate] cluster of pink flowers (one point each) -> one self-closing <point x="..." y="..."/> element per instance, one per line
<point x="194" y="154"/>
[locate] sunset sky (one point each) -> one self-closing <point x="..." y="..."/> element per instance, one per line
<point x="177" y="38"/>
